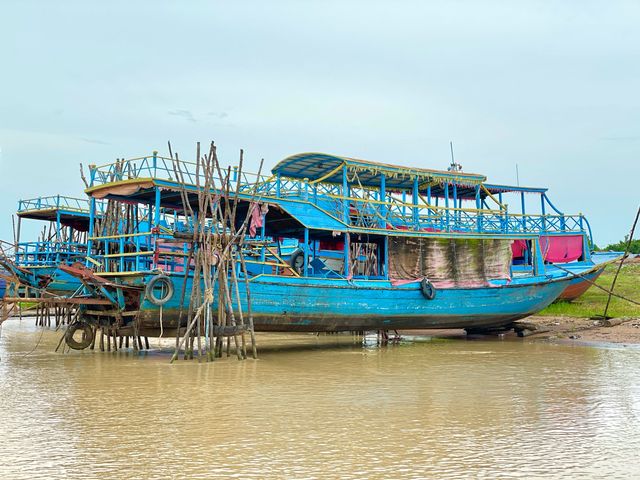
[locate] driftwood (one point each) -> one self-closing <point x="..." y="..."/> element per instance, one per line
<point x="525" y="329"/>
<point x="612" y="322"/>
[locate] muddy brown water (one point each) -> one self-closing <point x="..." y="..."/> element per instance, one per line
<point x="320" y="407"/>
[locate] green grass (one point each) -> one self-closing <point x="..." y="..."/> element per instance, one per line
<point x="594" y="300"/>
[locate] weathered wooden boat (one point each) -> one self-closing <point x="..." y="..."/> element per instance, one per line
<point x="312" y="304"/>
<point x="398" y="260"/>
<point x="584" y="273"/>
<point x="63" y="240"/>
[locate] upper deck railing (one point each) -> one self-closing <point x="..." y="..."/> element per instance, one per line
<point x="62" y="203"/>
<point x="49" y="253"/>
<point x="362" y="208"/>
<point x="157" y="167"/>
<point x="59" y="202"/>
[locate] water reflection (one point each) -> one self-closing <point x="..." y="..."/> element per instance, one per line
<point x="320" y="407"/>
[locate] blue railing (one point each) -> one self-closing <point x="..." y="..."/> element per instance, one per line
<point x="58" y="202"/>
<point x="54" y="201"/>
<point x="49" y="253"/>
<point x="370" y="211"/>
<point x="165" y="168"/>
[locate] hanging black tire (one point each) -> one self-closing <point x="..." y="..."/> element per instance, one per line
<point x="87" y="335"/>
<point x="296" y="262"/>
<point x="165" y="284"/>
<point x="427" y="288"/>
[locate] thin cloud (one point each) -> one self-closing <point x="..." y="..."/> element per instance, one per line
<point x="218" y="115"/>
<point x="186" y="114"/>
<point x="630" y="138"/>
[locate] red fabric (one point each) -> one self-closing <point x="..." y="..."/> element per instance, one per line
<point x="338" y="245"/>
<point x="518" y="247"/>
<point x="561" y="249"/>
<point x="258" y="213"/>
<point x="397" y="227"/>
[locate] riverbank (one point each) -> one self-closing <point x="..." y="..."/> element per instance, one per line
<point x="565" y="328"/>
<point x="593" y="302"/>
<point x="578" y="320"/>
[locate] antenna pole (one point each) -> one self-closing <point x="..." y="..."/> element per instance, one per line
<point x="517" y="176"/>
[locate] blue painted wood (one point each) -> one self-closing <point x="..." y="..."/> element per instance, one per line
<point x="319" y="304"/>
<point x="311" y="216"/>
<point x="60" y="283"/>
<point x="383" y="198"/>
<point x="345" y="193"/>
<point x="305" y="250"/>
<point x="345" y="254"/>
<point x="497" y="188"/>
<point x="414" y="201"/>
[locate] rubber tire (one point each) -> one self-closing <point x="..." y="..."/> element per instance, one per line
<point x="150" y="286"/>
<point x="88" y="335"/>
<point x="427" y="289"/>
<point x="294" y="259"/>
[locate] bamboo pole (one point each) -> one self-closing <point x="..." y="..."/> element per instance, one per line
<point x="626" y="251"/>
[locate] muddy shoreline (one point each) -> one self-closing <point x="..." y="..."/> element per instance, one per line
<point x="586" y="330"/>
<point x="558" y="329"/>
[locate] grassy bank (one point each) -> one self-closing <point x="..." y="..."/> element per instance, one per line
<point x="594" y="300"/>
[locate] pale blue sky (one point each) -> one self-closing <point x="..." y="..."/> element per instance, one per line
<point x="551" y="86"/>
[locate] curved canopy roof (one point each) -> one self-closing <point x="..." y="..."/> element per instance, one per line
<point x="495" y="188"/>
<point x="469" y="193"/>
<point x="322" y="167"/>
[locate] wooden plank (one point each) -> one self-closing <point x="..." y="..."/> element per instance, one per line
<point x="60" y="301"/>
<point x="612" y="322"/>
<point x="111" y="313"/>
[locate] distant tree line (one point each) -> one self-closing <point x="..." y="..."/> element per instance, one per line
<point x="622" y="245"/>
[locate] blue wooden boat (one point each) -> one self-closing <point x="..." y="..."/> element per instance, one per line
<point x="326" y="204"/>
<point x="312" y="304"/>
<point x="584" y="273"/>
<point x="63" y="241"/>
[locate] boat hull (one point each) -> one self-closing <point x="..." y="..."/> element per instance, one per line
<point x="578" y="286"/>
<point x="287" y="304"/>
<point x="583" y="274"/>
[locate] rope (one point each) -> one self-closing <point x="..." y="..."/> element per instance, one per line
<point x="324" y="177"/>
<point x="161" y="329"/>
<point x="208" y="295"/>
<point x="610" y="292"/>
<point x="37" y="343"/>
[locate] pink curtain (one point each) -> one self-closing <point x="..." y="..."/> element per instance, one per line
<point x="518" y="247"/>
<point x="561" y="249"/>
